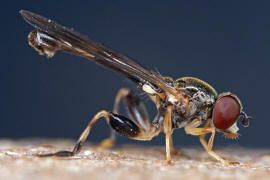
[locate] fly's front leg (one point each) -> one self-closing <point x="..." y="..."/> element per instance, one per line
<point x="209" y="146"/>
<point x="135" y="110"/>
<point x="201" y="132"/>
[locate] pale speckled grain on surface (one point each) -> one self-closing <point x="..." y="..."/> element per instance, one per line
<point x="126" y="162"/>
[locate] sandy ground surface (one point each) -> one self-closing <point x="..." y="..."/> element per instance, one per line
<point x="17" y="161"/>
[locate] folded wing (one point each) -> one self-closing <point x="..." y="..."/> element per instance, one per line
<point x="50" y="36"/>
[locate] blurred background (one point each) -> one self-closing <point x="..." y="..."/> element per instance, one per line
<point x="225" y="43"/>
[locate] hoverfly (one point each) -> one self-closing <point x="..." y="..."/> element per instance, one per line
<point x="187" y="102"/>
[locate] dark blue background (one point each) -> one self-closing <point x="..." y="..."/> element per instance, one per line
<point x="225" y="43"/>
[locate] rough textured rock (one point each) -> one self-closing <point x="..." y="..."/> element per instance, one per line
<point x="17" y="161"/>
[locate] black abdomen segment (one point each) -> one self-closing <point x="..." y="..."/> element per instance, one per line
<point x="124" y="125"/>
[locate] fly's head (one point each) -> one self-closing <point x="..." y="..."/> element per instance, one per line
<point x="227" y="110"/>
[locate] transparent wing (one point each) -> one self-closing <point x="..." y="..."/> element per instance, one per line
<point x="50" y="36"/>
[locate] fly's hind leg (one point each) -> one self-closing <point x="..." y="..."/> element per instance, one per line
<point x="135" y="110"/>
<point x="137" y="126"/>
<point x="119" y="123"/>
<point x="201" y="132"/>
<point x="82" y="138"/>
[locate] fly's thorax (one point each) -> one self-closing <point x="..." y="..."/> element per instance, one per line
<point x="197" y="91"/>
<point x="192" y="84"/>
<point x="199" y="106"/>
<point x="195" y="99"/>
<point x="199" y="101"/>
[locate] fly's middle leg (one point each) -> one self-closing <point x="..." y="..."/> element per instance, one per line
<point x="136" y="112"/>
<point x="167" y="125"/>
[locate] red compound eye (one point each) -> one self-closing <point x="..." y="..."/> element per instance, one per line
<point x="226" y="112"/>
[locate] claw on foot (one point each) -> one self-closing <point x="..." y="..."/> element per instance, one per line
<point x="233" y="163"/>
<point x="176" y="152"/>
<point x="106" y="144"/>
<point x="57" y="154"/>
